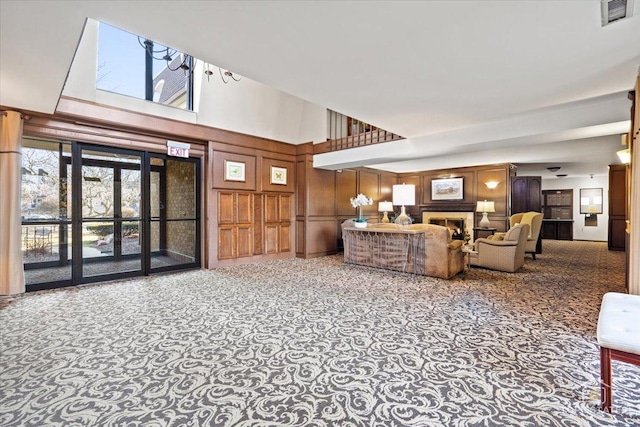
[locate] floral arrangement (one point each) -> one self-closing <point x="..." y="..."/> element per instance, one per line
<point x="358" y="202"/>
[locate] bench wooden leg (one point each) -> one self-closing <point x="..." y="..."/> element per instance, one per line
<point x="605" y="380"/>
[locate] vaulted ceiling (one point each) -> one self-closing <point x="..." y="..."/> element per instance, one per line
<point x="467" y="82"/>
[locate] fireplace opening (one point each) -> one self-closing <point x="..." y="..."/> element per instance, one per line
<point x="456" y="226"/>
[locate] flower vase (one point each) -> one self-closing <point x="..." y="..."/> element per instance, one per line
<point x="360" y="224"/>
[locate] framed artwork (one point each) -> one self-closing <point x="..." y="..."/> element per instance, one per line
<point x="278" y="175"/>
<point x="447" y="189"/>
<point x="591" y="200"/>
<point x="234" y="171"/>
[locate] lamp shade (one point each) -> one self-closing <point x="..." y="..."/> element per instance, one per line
<point x="485" y="206"/>
<point x="404" y="195"/>
<point x="385" y="207"/>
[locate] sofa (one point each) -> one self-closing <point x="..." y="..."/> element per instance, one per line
<point x="425" y="249"/>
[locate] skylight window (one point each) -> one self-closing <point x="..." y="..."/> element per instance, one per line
<point x="134" y="66"/>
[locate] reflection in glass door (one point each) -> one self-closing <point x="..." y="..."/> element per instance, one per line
<point x="110" y="218"/>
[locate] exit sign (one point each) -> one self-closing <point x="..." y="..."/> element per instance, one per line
<point x="178" y="149"/>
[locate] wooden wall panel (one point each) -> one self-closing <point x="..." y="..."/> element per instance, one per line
<point x="322" y="192"/>
<point x="369" y="185"/>
<point x="346" y="185"/>
<point x="321" y="237"/>
<point x="300" y="237"/>
<point x="243" y="241"/>
<point x="267" y="185"/>
<point x="301" y="188"/>
<point x="284" y="240"/>
<point x="271" y="235"/>
<point x="257" y="224"/>
<point x="271" y="202"/>
<point x="285" y="207"/>
<point x="218" y="173"/>
<point x="226" y="208"/>
<point x="244" y="214"/>
<point x="386" y="187"/>
<point x="499" y="195"/>
<point x="226" y="242"/>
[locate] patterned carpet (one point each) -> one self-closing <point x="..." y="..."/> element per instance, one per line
<point x="317" y="343"/>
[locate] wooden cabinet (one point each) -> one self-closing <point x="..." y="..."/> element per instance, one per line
<point x="526" y="194"/>
<point x="557" y="204"/>
<point x="617" y="207"/>
<point x="561" y="229"/>
<point x="235" y="221"/>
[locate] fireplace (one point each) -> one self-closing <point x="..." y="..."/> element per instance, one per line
<point x="457" y="222"/>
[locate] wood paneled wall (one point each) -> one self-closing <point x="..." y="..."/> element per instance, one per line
<point x="253" y="217"/>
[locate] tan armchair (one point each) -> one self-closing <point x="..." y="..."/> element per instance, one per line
<point x="504" y="255"/>
<point x="534" y="220"/>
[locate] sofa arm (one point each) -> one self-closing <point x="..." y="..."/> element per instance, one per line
<point x="455" y="244"/>
<point x="490" y="242"/>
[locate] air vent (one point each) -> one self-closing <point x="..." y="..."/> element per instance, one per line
<point x="615" y="10"/>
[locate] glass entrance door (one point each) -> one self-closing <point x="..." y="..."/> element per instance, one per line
<point x="109" y="207"/>
<point x="97" y="213"/>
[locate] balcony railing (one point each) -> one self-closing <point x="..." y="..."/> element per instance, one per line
<point x="345" y="132"/>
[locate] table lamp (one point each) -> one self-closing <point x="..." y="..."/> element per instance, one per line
<point x="485" y="207"/>
<point x="404" y="195"/>
<point x="385" y="207"/>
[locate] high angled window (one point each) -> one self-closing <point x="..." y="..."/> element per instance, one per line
<point x="134" y="66"/>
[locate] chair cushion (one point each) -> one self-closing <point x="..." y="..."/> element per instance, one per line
<point x="618" y="326"/>
<point x="527" y="218"/>
<point x="513" y="233"/>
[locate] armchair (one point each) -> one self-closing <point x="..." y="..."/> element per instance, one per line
<point x="534" y="220"/>
<point x="504" y="255"/>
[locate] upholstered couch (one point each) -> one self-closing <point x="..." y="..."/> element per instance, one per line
<point x="436" y="255"/>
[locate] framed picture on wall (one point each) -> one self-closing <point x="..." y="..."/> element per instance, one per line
<point x="234" y="171"/>
<point x="278" y="175"/>
<point x="447" y="189"/>
<point x="591" y="200"/>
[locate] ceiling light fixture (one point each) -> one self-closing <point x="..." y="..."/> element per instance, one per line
<point x="229" y="75"/>
<point x="553" y="168"/>
<point x="187" y="64"/>
<point x="561" y="175"/>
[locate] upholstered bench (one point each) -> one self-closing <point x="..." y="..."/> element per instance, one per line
<point x="618" y="337"/>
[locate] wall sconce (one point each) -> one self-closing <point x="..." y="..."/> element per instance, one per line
<point x="385" y="207"/>
<point x="485" y="207"/>
<point x="491" y="184"/>
<point x="624" y="155"/>
<point x="404" y="195"/>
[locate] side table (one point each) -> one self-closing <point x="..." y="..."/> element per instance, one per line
<point x="485" y="232"/>
<point x="468" y="253"/>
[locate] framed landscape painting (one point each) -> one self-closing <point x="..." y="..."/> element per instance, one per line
<point x="447" y="189"/>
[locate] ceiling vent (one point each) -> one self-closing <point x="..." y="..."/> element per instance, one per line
<point x="615" y="10"/>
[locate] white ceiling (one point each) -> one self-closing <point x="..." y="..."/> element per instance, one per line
<point x="464" y="81"/>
